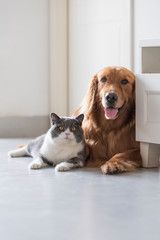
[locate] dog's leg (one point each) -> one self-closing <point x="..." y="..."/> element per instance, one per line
<point x="123" y="162"/>
<point x="18" y="152"/>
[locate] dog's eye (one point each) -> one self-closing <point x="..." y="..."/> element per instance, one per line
<point x="104" y="79"/>
<point x="124" y="81"/>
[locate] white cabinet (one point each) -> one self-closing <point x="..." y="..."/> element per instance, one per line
<point x="148" y="102"/>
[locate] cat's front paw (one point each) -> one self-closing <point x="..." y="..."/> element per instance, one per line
<point x="37" y="163"/>
<point x="62" y="167"/>
<point x="34" y="166"/>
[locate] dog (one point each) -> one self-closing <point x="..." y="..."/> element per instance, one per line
<point x="109" y="123"/>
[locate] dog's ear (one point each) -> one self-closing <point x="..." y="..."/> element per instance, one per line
<point x="90" y="101"/>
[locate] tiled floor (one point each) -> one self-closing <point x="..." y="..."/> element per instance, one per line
<point x="81" y="204"/>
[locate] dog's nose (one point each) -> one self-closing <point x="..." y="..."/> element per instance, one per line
<point x="111" y="97"/>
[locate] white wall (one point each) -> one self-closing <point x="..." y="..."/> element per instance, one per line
<point x="146" y="24"/>
<point x="99" y="36"/>
<point x="58" y="31"/>
<point x="23" y="58"/>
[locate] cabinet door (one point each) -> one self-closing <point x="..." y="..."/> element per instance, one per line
<point x="148" y="108"/>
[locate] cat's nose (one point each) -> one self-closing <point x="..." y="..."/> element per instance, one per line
<point x="67" y="133"/>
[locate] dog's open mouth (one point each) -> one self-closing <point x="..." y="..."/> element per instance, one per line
<point x="112" y="113"/>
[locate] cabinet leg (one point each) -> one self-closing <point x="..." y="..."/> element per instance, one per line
<point x="150" y="154"/>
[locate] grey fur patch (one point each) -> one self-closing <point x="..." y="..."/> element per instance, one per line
<point x="80" y="159"/>
<point x="34" y="146"/>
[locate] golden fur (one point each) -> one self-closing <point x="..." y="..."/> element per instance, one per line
<point x="111" y="143"/>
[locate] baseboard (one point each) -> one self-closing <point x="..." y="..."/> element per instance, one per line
<point x="23" y="127"/>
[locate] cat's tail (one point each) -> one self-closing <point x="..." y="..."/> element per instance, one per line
<point x="20" y="152"/>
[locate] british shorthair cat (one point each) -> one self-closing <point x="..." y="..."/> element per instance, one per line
<point x="62" y="146"/>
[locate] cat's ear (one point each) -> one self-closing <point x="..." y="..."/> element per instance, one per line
<point x="80" y="118"/>
<point x="54" y="118"/>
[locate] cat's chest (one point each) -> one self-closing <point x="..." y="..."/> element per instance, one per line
<point x="59" y="152"/>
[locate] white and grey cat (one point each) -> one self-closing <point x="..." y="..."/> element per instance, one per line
<point x="62" y="146"/>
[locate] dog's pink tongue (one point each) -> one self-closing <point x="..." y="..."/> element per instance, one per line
<point x="111" y="112"/>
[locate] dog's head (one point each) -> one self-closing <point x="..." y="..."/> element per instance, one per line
<point x="114" y="87"/>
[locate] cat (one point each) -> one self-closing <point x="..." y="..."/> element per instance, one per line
<point x="62" y="146"/>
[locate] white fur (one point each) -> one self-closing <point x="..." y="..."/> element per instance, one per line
<point x="37" y="163"/>
<point x="64" y="166"/>
<point x="59" y="149"/>
<point x="104" y="102"/>
<point x="20" y="152"/>
<point x="104" y="105"/>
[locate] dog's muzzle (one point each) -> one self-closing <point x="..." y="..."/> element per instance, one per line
<point x="111" y="98"/>
<point x="111" y="112"/>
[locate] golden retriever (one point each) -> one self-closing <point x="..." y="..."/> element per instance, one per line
<point x="109" y="124"/>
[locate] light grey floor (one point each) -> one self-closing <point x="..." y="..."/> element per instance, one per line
<point x="80" y="204"/>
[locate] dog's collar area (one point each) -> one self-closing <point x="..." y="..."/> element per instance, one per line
<point x="112" y="113"/>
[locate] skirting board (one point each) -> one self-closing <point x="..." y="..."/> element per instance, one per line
<point x="23" y="127"/>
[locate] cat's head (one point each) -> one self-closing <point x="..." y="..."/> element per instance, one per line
<point x="67" y="128"/>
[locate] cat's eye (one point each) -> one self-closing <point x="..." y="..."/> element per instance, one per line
<point x="73" y="129"/>
<point x="104" y="79"/>
<point x="124" y="81"/>
<point x="61" y="128"/>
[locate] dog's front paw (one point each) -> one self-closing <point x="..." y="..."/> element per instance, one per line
<point x="113" y="168"/>
<point x="62" y="167"/>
